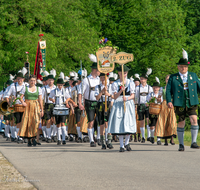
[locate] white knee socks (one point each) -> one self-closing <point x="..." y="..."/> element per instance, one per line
<point x="48" y="133"/>
<point x="142" y="129"/>
<point x="79" y="132"/>
<point x="66" y="131"/>
<point x="98" y="132"/>
<point x="127" y="139"/>
<point x="148" y="131"/>
<point x="121" y="140"/>
<point x="63" y="132"/>
<point x="152" y="132"/>
<point x="90" y="134"/>
<point x="59" y="133"/>
<point x="7" y="129"/>
<point x="106" y="134"/>
<point x="44" y="131"/>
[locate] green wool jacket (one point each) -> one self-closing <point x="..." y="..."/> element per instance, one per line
<point x="175" y="89"/>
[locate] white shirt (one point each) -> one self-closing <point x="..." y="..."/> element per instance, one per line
<point x="140" y="89"/>
<point x="86" y="88"/>
<point x="45" y="93"/>
<point x="63" y="91"/>
<point x="184" y="78"/>
<point x="153" y="95"/>
<point x="39" y="90"/>
<point x="74" y="90"/>
<point x="12" y="91"/>
<point x="103" y="96"/>
<point x="130" y="85"/>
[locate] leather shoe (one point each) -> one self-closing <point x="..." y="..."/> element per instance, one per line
<point x="103" y="146"/>
<point x="59" y="142"/>
<point x="110" y="146"/>
<point x="149" y="138"/>
<point x="92" y="144"/>
<point x="181" y="147"/>
<point x="139" y="139"/>
<point x="99" y="142"/>
<point x="128" y="148"/>
<point x="64" y="142"/>
<point x="194" y="145"/>
<point x="172" y="143"/>
<point x="143" y="140"/>
<point x="121" y="149"/>
<point x="158" y="142"/>
<point x="79" y="140"/>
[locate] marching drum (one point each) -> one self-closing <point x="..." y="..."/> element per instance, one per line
<point x="60" y="110"/>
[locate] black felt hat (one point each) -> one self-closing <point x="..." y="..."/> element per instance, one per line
<point x="136" y="79"/>
<point x="94" y="65"/>
<point x="119" y="68"/>
<point x="66" y="84"/>
<point x="20" y="75"/>
<point x="60" y="81"/>
<point x="183" y="61"/>
<point x="9" y="82"/>
<point x="156" y="84"/>
<point x="50" y="77"/>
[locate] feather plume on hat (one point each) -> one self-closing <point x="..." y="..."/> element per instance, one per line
<point x="39" y="81"/>
<point x="157" y="80"/>
<point x="75" y="74"/>
<point x="137" y="76"/>
<point x="149" y="71"/>
<point x="53" y="72"/>
<point x="19" y="71"/>
<point x="185" y="55"/>
<point x="62" y="75"/>
<point x="46" y="73"/>
<point x="84" y="73"/>
<point x="111" y="74"/>
<point x="24" y="71"/>
<point x="93" y="58"/>
<point x="115" y="76"/>
<point x="66" y="79"/>
<point x="131" y="78"/>
<point x="11" y="77"/>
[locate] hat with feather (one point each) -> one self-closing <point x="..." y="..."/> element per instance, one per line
<point x="137" y="77"/>
<point x="52" y="74"/>
<point x="93" y="58"/>
<point x="157" y="83"/>
<point x="184" y="60"/>
<point x="149" y="71"/>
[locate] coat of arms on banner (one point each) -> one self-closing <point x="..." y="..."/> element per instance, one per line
<point x="104" y="63"/>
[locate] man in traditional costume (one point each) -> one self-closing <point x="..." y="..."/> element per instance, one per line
<point x="89" y="84"/>
<point x="182" y="95"/>
<point x="141" y="99"/>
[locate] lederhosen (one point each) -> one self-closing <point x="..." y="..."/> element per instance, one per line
<point x="59" y="118"/>
<point x="90" y="106"/>
<point x="102" y="118"/>
<point x="186" y="109"/>
<point x="48" y="107"/>
<point x="153" y="118"/>
<point x="18" y="115"/>
<point x="142" y="110"/>
<point x="77" y="111"/>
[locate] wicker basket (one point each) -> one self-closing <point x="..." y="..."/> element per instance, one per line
<point x="19" y="108"/>
<point x="154" y="109"/>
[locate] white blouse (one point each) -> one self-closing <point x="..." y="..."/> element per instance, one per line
<point x="39" y="89"/>
<point x="130" y="84"/>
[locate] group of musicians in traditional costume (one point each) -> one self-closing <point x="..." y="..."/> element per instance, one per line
<point x="74" y="108"/>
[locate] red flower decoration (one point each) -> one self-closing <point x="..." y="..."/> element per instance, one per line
<point x="107" y="74"/>
<point x="188" y="62"/>
<point x="120" y="87"/>
<point x="27" y="52"/>
<point x="41" y="35"/>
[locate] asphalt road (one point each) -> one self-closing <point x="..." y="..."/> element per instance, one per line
<point x="78" y="166"/>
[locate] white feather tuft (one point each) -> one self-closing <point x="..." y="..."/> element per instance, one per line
<point x="157" y="80"/>
<point x="137" y="76"/>
<point x="46" y="73"/>
<point x="93" y="58"/>
<point x="39" y="81"/>
<point x="75" y="74"/>
<point x="19" y="71"/>
<point x="24" y="71"/>
<point x="149" y="71"/>
<point x="71" y="74"/>
<point x="11" y="77"/>
<point x="66" y="79"/>
<point x="84" y="72"/>
<point x="111" y="75"/>
<point x="53" y="72"/>
<point x="185" y="55"/>
<point x="131" y="78"/>
<point x="115" y="76"/>
<point x="62" y="75"/>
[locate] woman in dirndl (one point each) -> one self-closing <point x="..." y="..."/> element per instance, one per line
<point x="123" y="123"/>
<point x="33" y="111"/>
<point x="166" y="127"/>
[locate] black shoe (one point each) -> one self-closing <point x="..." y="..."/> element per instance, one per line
<point x="88" y="140"/>
<point x="92" y="144"/>
<point x="166" y="144"/>
<point x="158" y="142"/>
<point x="131" y="138"/>
<point x="172" y="143"/>
<point x="143" y="140"/>
<point x="64" y="142"/>
<point x="152" y="140"/>
<point x="139" y="139"/>
<point x="121" y="149"/>
<point x="19" y="141"/>
<point x="38" y="143"/>
<point x="29" y="143"/>
<point x="12" y="139"/>
<point x="128" y="148"/>
<point x="66" y="138"/>
<point x="49" y="140"/>
<point x="25" y="140"/>
<point x="194" y="145"/>
<point x="148" y="139"/>
<point x="34" y="142"/>
<point x="84" y="139"/>
<point x="59" y="142"/>
<point x="71" y="138"/>
<point x="79" y="140"/>
<point x="110" y="146"/>
<point x="54" y="139"/>
<point x="8" y="139"/>
<point x="103" y="146"/>
<point x="99" y="142"/>
<point x="43" y="139"/>
<point x="181" y="147"/>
